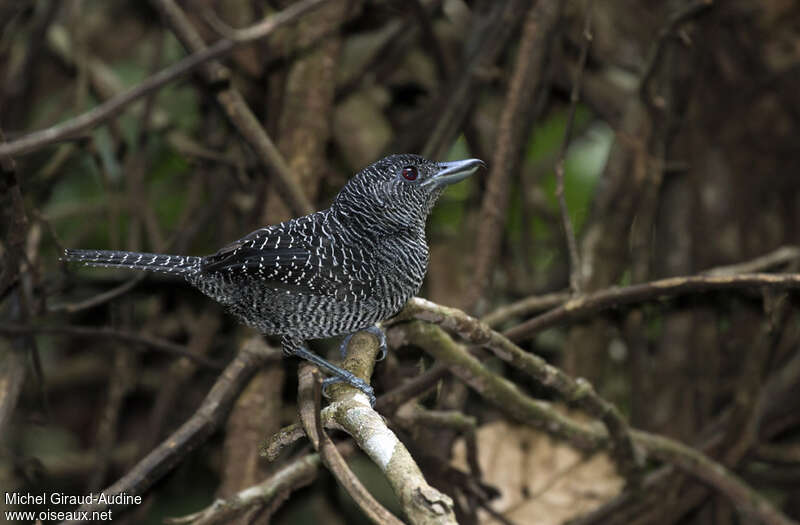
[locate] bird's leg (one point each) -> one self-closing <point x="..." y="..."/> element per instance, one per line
<point x="295" y="347"/>
<point x="375" y="330"/>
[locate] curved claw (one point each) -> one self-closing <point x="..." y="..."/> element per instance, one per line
<point x="383" y="347"/>
<point x="343" y="346"/>
<point x="374" y="330"/>
<point x="355" y="382"/>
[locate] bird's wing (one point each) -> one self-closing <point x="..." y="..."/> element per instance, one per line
<point x="288" y="261"/>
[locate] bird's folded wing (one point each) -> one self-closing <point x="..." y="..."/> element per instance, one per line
<point x="286" y="263"/>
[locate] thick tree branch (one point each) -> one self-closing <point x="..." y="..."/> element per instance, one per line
<point x="309" y="405"/>
<point x="577" y="391"/>
<point x="352" y="413"/>
<point x="512" y="401"/>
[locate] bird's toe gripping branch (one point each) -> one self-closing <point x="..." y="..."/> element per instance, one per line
<point x="375" y="330"/>
<point x="339" y="375"/>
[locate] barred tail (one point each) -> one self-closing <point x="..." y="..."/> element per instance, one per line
<point x="153" y="262"/>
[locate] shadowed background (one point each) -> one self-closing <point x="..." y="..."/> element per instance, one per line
<point x="682" y="157"/>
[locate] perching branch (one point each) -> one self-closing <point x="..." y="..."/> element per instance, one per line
<point x="351" y="412"/>
<point x="309" y="405"/>
<point x="386" y="404"/>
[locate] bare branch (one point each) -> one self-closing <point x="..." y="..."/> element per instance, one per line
<point x="681" y="16"/>
<point x="694" y="462"/>
<point x="296" y="474"/>
<point x="584" y="305"/>
<point x="309" y="405"/>
<point x="457" y="97"/>
<point x="421" y="502"/>
<point x="781" y="256"/>
<point x="575" y="277"/>
<point x="148" y="342"/>
<point x="514" y="126"/>
<point x="577" y="391"/>
<point x="350" y="411"/>
<point x="524" y="307"/>
<point x="511" y="400"/>
<point x="387" y="403"/>
<point x="100" y="298"/>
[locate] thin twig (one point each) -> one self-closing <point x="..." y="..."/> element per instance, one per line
<point x="575" y="275"/>
<point x="682" y="15"/>
<point x="298" y="473"/>
<point x="121" y="379"/>
<point x="489" y="35"/>
<point x="430" y="40"/>
<point x="148" y="342"/>
<point x="414" y="416"/>
<point x="524" y="307"/>
<point x="514" y="126"/>
<point x="583" y="305"/>
<point x="98" y="299"/>
<point x="535" y="303"/>
<point x="694" y="462"/>
<point x="779" y="257"/>
<point x="389" y="402"/>
<point x="14" y="352"/>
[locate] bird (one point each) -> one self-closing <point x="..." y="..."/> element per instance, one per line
<point x="330" y="273"/>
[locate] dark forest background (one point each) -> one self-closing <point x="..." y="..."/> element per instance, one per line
<point x="664" y="134"/>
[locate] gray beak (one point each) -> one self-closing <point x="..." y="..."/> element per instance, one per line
<point x="452" y="172"/>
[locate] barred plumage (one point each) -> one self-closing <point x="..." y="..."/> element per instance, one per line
<point x="336" y="271"/>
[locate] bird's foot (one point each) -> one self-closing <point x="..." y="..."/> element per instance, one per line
<point x="374" y="330"/>
<point x="352" y="380"/>
<point x="338" y="375"/>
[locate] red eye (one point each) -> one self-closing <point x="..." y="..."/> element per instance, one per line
<point x="410" y="173"/>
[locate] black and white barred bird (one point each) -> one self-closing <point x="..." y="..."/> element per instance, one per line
<point x="334" y="272"/>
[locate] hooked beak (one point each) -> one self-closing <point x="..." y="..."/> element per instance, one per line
<point x="454" y="171"/>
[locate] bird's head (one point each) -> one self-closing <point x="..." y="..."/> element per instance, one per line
<point x="399" y="191"/>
